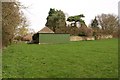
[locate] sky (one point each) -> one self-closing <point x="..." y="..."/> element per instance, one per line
<point x="119" y="11"/>
<point x="37" y="10"/>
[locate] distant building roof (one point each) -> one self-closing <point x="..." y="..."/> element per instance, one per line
<point x="45" y="30"/>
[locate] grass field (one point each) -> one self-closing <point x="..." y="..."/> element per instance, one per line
<point x="83" y="59"/>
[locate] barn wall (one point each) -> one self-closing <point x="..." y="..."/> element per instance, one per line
<point x="53" y="38"/>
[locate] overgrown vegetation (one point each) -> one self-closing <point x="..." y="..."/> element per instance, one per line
<point x="84" y="59"/>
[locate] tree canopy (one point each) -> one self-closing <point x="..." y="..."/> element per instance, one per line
<point x="94" y="23"/>
<point x="109" y="23"/>
<point x="55" y="19"/>
<point x="76" y="18"/>
<point x="12" y="17"/>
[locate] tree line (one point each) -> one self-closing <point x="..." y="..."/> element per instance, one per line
<point x="104" y="24"/>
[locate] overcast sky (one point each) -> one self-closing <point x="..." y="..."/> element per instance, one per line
<point x="38" y="9"/>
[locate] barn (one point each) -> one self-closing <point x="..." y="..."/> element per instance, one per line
<point x="46" y="35"/>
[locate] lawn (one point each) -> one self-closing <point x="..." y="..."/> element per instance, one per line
<point x="83" y="59"/>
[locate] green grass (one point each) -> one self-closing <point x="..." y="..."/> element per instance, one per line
<point x="83" y="59"/>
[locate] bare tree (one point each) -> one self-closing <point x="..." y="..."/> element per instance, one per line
<point x="109" y="23"/>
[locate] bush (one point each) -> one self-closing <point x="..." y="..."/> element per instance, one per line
<point x="85" y="31"/>
<point x="82" y="34"/>
<point x="18" y="38"/>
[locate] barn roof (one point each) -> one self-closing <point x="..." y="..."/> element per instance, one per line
<point x="45" y="30"/>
